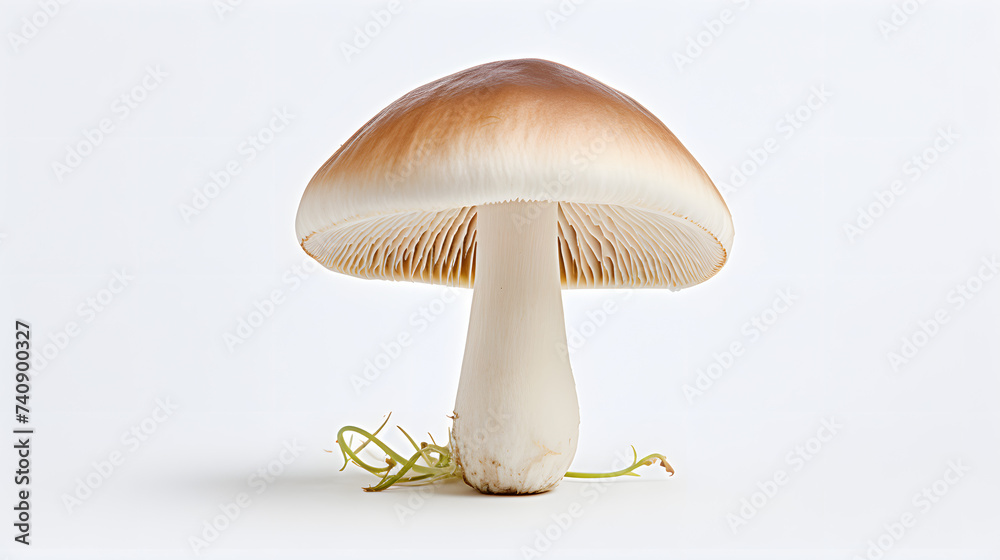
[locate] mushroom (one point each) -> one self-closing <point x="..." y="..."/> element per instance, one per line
<point x="516" y="178"/>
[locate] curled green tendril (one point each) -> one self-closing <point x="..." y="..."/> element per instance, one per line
<point x="439" y="464"/>
<point x="646" y="461"/>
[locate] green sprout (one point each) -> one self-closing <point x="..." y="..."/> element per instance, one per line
<point x="438" y="463"/>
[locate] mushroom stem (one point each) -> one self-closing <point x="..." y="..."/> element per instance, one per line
<point x="516" y="416"/>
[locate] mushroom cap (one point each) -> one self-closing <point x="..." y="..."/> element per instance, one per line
<point x="398" y="200"/>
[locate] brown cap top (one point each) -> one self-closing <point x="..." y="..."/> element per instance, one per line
<point x="398" y="200"/>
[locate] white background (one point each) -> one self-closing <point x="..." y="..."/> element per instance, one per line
<point x="63" y="237"/>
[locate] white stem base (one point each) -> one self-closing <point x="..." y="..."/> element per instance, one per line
<point x="516" y="416"/>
